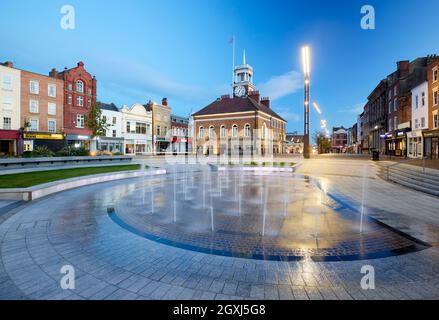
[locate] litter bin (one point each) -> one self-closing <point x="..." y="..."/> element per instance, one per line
<point x="375" y="155"/>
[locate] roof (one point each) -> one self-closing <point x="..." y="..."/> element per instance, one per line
<point x="235" y="104"/>
<point x="108" y="106"/>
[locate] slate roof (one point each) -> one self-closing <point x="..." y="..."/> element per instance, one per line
<point x="108" y="106"/>
<point x="235" y="104"/>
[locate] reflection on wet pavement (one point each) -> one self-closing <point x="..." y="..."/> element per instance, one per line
<point x="254" y="215"/>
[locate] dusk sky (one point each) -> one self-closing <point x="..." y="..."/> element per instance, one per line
<point x="142" y="50"/>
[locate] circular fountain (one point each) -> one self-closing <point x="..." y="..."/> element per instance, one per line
<point x="258" y="215"/>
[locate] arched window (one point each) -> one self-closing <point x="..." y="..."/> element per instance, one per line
<point x="201" y="133"/>
<point x="80" y="86"/>
<point x="247" y="130"/>
<point x="234" y="130"/>
<point x="223" y="132"/>
<point x="211" y="131"/>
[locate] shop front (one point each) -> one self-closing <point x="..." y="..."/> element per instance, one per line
<point x="52" y="141"/>
<point x="180" y="145"/>
<point x="80" y="141"/>
<point x="396" y="143"/>
<point x="133" y="147"/>
<point x="161" y="144"/>
<point x="431" y="142"/>
<point x="113" y="145"/>
<point x="415" y="142"/>
<point x="9" y="143"/>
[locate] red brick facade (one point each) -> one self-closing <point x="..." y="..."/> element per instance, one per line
<point x="79" y="97"/>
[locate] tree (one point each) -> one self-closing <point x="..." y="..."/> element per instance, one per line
<point x="323" y="143"/>
<point x="95" y="122"/>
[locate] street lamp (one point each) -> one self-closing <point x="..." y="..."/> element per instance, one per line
<point x="306" y="73"/>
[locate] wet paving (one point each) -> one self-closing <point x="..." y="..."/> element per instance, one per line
<point x="127" y="240"/>
<point x="275" y="216"/>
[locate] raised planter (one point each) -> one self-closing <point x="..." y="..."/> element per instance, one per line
<point x="42" y="190"/>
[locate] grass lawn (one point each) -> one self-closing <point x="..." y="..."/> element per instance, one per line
<point x="29" y="179"/>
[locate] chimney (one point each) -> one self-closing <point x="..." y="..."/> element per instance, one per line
<point x="225" y="96"/>
<point x="254" y="95"/>
<point x="403" y="67"/>
<point x="165" y="101"/>
<point x="266" y="101"/>
<point x="9" y="64"/>
<point x="80" y="64"/>
<point x="53" y="73"/>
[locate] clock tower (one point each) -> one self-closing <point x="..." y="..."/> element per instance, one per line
<point x="243" y="79"/>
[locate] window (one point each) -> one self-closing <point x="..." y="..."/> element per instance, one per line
<point x="395" y="122"/>
<point x="435" y="74"/>
<point x="51" y="125"/>
<point x="211" y="131"/>
<point x="435" y="120"/>
<point x="422" y="122"/>
<point x="223" y="132"/>
<point x="390" y="125"/>
<point x="33" y="106"/>
<point x="89" y="91"/>
<point x="114" y="120"/>
<point x="235" y="131"/>
<point x="158" y="130"/>
<point x="140" y="128"/>
<point x="33" y="125"/>
<point x="114" y="133"/>
<point x="7" y="123"/>
<point x="69" y="86"/>
<point x="165" y="131"/>
<point x="395" y="93"/>
<point x="51" y="108"/>
<point x="435" y="102"/>
<point x="79" y="86"/>
<point x="104" y="119"/>
<point x="79" y="101"/>
<point x="423" y="100"/>
<point x="34" y="87"/>
<point x="390" y="105"/>
<point x="7" y="82"/>
<point x="416" y="123"/>
<point x="69" y="99"/>
<point x="201" y="133"/>
<point x="416" y="101"/>
<point x="80" y="121"/>
<point x="128" y="127"/>
<point x="7" y="103"/>
<point x="395" y="104"/>
<point x="51" y="90"/>
<point x="89" y="103"/>
<point x="247" y="130"/>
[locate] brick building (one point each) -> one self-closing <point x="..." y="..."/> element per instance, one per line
<point x="42" y="99"/>
<point x="181" y="141"/>
<point x="431" y="136"/>
<point x="377" y="116"/>
<point x="339" y="139"/>
<point x="399" y="104"/>
<point x="79" y="98"/>
<point x="242" y="123"/>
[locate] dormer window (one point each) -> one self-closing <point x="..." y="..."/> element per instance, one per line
<point x="79" y="86"/>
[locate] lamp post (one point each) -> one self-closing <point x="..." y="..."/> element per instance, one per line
<point x="306" y="73"/>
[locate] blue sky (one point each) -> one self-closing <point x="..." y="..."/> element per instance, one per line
<point x="142" y="50"/>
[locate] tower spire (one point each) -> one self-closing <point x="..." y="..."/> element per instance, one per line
<point x="243" y="58"/>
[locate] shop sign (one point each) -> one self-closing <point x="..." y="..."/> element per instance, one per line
<point x="43" y="136"/>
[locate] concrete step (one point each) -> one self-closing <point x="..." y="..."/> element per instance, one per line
<point x="426" y="185"/>
<point x="423" y="178"/>
<point x="414" y="186"/>
<point x="428" y="174"/>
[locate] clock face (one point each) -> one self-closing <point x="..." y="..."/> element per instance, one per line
<point x="240" y="91"/>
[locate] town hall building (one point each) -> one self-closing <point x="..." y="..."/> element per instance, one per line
<point x="243" y="123"/>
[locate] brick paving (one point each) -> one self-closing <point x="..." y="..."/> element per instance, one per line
<point x="74" y="228"/>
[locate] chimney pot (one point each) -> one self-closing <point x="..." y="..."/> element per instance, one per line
<point x="266" y="101"/>
<point x="9" y="64"/>
<point x="53" y="73"/>
<point x="255" y="96"/>
<point x="165" y="101"/>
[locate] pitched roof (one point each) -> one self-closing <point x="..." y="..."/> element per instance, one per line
<point x="235" y="104"/>
<point x="108" y="106"/>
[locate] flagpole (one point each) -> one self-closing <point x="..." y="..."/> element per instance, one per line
<point x="233" y="62"/>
